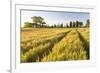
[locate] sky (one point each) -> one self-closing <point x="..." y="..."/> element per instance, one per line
<point x="53" y="17"/>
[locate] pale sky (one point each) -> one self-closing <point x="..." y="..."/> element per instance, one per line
<point x="51" y="17"/>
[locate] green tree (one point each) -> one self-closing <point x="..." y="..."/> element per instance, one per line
<point x="61" y="25"/>
<point x="81" y="24"/>
<point x="70" y="24"/>
<point x="74" y="24"/>
<point x="77" y="24"/>
<point x="67" y="26"/>
<point x="38" y="20"/>
<point x="27" y="25"/>
<point x="42" y="25"/>
<point x="87" y="23"/>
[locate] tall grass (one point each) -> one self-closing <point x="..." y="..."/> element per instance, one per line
<point x="56" y="44"/>
<point x="44" y="47"/>
<point x="69" y="48"/>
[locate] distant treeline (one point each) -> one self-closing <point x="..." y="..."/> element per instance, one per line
<point x="38" y="22"/>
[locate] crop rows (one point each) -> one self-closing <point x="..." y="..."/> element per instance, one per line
<point x="43" y="45"/>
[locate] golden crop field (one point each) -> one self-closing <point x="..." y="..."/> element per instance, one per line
<point x="54" y="44"/>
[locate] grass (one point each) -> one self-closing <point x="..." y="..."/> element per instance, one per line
<point x="54" y="44"/>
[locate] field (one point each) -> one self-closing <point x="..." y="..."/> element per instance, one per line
<point x="54" y="44"/>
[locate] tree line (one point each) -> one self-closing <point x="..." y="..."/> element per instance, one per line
<point x="38" y="22"/>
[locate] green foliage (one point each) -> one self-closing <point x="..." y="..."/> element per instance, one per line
<point x="71" y="24"/>
<point x="74" y="24"/>
<point x="87" y="23"/>
<point x="27" y="25"/>
<point x="77" y="23"/>
<point x="67" y="26"/>
<point x="81" y="24"/>
<point x="38" y="20"/>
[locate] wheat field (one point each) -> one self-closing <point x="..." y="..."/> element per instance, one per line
<point x="54" y="44"/>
